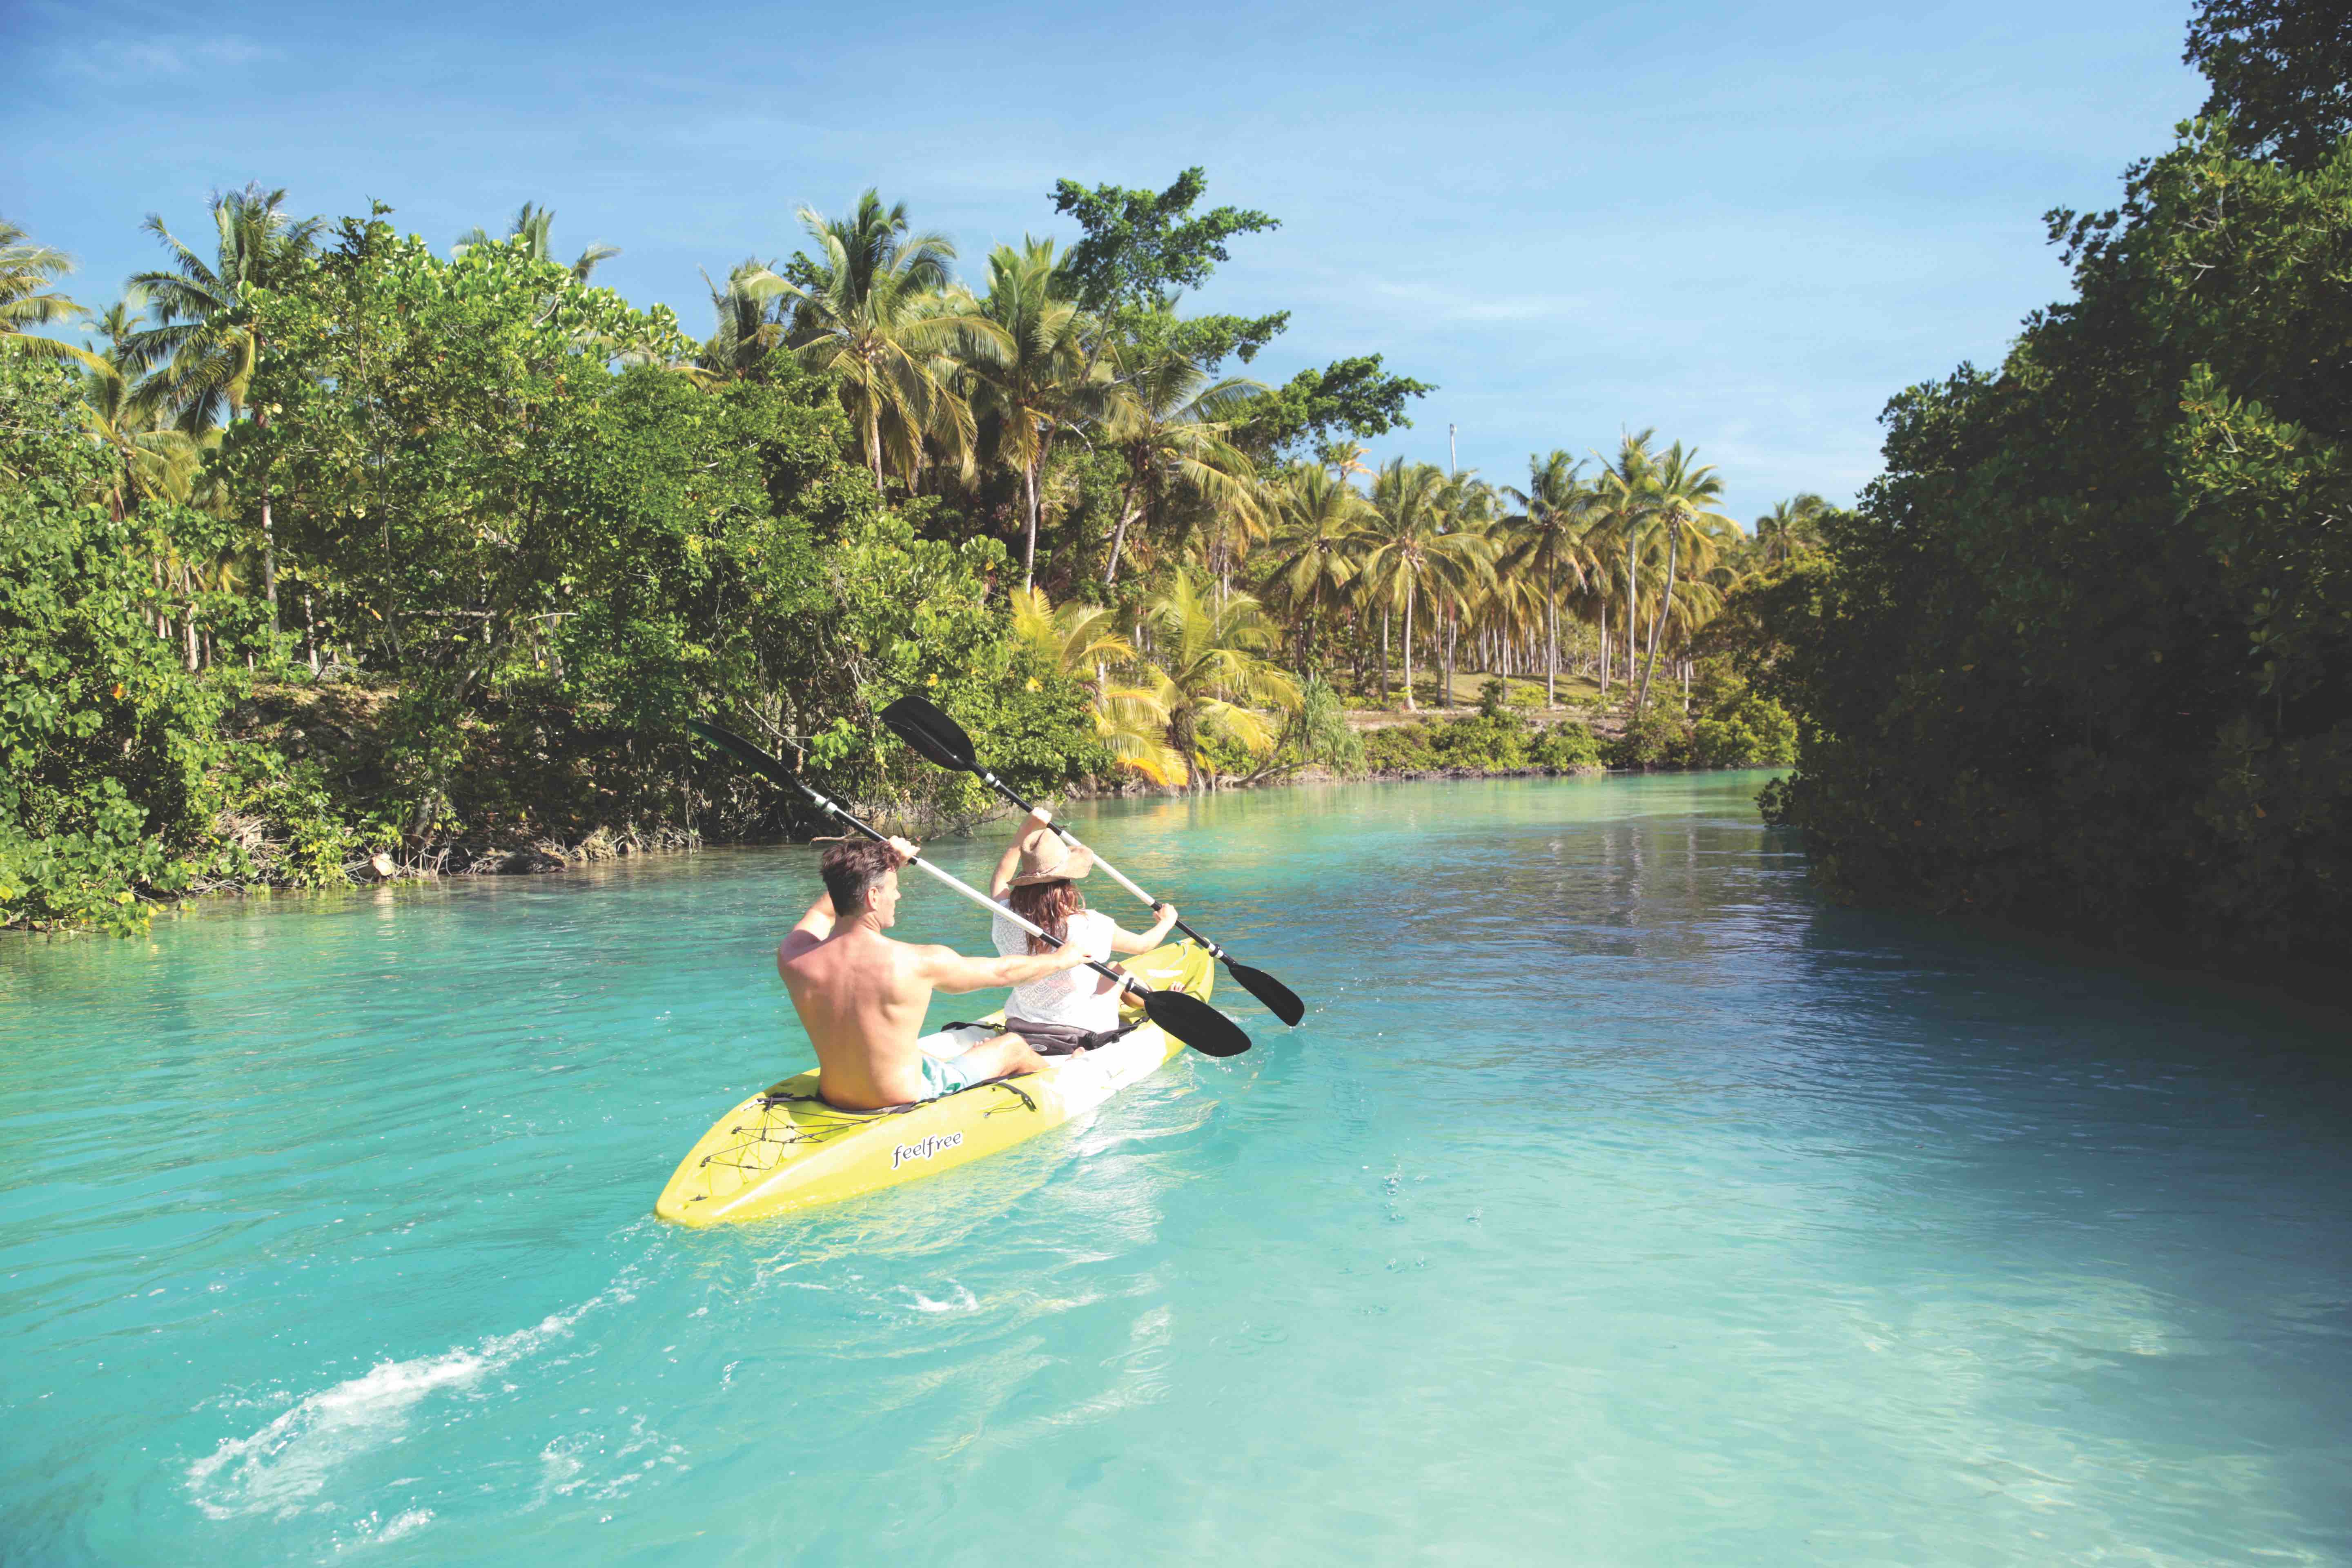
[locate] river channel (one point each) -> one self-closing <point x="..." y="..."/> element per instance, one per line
<point x="1620" y="1201"/>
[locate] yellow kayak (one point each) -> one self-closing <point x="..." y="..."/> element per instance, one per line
<point x="784" y="1149"/>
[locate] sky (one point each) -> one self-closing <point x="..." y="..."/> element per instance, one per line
<point x="1744" y="226"/>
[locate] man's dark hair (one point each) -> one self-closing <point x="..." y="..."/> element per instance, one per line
<point x="849" y="869"/>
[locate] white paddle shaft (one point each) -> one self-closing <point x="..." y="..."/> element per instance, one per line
<point x="992" y="907"/>
<point x="1116" y="875"/>
<point x="1113" y="872"/>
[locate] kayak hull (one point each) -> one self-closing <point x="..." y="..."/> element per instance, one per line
<point x="784" y="1148"/>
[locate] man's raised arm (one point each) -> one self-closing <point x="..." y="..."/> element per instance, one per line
<point x="952" y="971"/>
<point x="813" y="928"/>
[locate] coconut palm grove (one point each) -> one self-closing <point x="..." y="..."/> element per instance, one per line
<point x="331" y="552"/>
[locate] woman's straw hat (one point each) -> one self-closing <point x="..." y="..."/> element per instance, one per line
<point x="1045" y="859"/>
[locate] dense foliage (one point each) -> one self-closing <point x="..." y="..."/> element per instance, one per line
<point x="1494" y="741"/>
<point x="348" y="555"/>
<point x="2083" y="656"/>
<point x="2281" y="73"/>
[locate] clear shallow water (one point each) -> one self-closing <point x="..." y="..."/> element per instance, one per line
<point x="1618" y="1203"/>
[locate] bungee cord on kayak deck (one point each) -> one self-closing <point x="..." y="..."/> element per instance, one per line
<point x="776" y="1129"/>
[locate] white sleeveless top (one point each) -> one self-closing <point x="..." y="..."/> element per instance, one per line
<point x="1070" y="996"/>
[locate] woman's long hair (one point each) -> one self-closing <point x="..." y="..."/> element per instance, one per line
<point x="1048" y="904"/>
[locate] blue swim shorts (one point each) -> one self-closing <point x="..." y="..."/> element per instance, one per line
<point x="945" y="1077"/>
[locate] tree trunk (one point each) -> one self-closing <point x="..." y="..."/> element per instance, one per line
<point x="269" y="532"/>
<point x="1551" y="637"/>
<point x="1632" y="602"/>
<point x="1408" y="647"/>
<point x="1605" y="647"/>
<point x="873" y="444"/>
<point x="311" y="634"/>
<point x="1029" y="553"/>
<point x="1665" y="604"/>
<point x="1450" y="659"/>
<point x="1127" y="513"/>
<point x="1384" y="655"/>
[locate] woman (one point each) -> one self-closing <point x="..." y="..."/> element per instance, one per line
<point x="1038" y="879"/>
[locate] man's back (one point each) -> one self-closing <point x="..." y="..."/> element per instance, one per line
<point x="862" y="997"/>
<point x="863" y="1004"/>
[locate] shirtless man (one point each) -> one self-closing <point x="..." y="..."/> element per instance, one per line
<point x="861" y="996"/>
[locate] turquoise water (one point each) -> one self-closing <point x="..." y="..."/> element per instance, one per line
<point x="1618" y="1203"/>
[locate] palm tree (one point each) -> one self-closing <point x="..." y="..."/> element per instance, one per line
<point x="1170" y="421"/>
<point x="1320" y="540"/>
<point x="1080" y="641"/>
<point x="1345" y="459"/>
<point x="534" y="224"/>
<point x="1214" y="672"/>
<point x="875" y="311"/>
<point x="1624" y="485"/>
<point x="747" y="328"/>
<point x="1418" y="548"/>
<point x="1547" y="537"/>
<point x="27" y="300"/>
<point x="1467" y="509"/>
<point x="1683" y="492"/>
<point x="1788" y="530"/>
<point x="151" y="461"/>
<point x="203" y="347"/>
<point x="1040" y="379"/>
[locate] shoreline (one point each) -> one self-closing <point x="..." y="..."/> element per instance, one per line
<point x="548" y="856"/>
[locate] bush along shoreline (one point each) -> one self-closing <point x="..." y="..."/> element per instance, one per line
<point x="1731" y="726"/>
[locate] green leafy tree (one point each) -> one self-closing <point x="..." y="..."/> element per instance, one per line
<point x="106" y="742"/>
<point x="2078" y="659"/>
<point x="1141" y="248"/>
<point x="2281" y="71"/>
<point x="1353" y="395"/>
<point x="446" y="430"/>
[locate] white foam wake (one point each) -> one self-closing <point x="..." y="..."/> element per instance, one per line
<point x="280" y="1469"/>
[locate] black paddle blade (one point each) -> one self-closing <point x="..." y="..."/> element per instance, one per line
<point x="1280" y="1000"/>
<point x="934" y="736"/>
<point x="744" y="750"/>
<point x="1195" y="1023"/>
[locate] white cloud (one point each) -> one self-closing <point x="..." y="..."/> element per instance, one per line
<point x="134" y="60"/>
